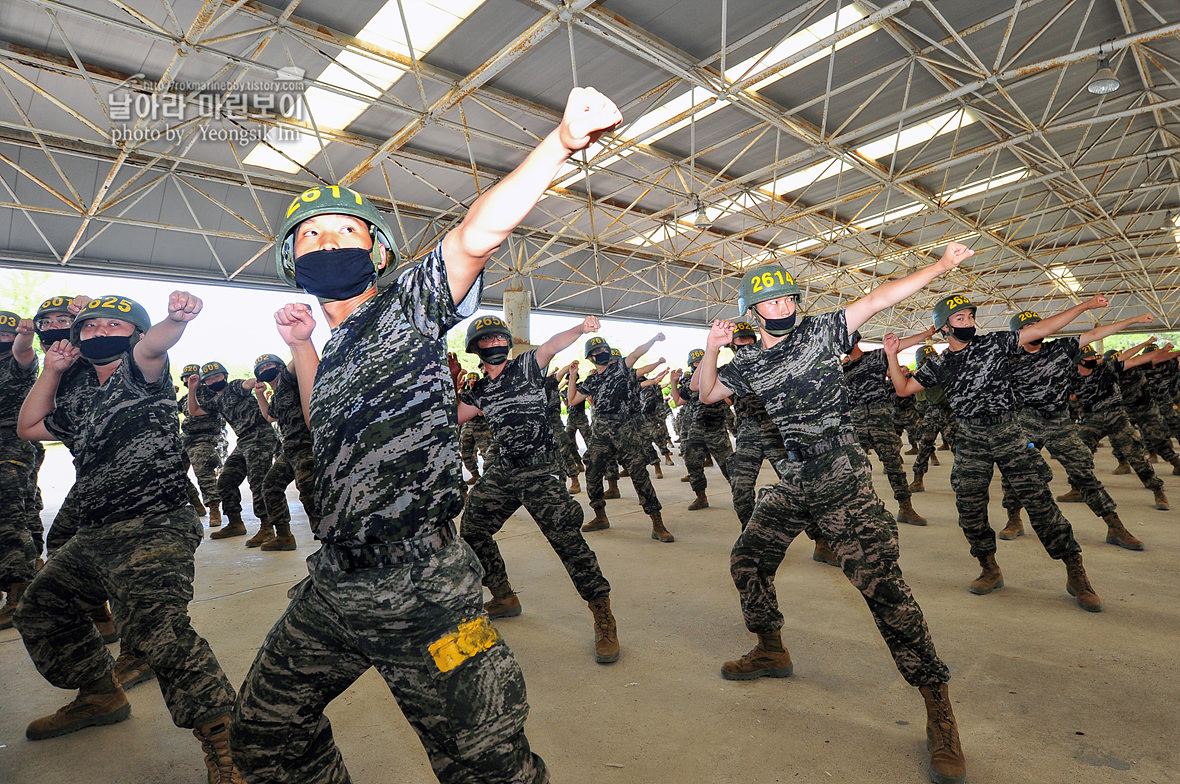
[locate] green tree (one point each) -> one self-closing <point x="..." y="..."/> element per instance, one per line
<point x="21" y="291"/>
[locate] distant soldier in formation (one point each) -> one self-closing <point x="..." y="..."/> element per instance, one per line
<point x="294" y="461"/>
<point x="937" y="419"/>
<point x="704" y="434"/>
<point x="201" y="437"/>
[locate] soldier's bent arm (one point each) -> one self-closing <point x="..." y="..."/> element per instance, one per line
<point x="467" y="413"/>
<point x="22" y="347"/>
<point x="635" y="355"/>
<point x="903" y="385"/>
<point x="889" y="294"/>
<point x="151" y="352"/>
<point x="914" y="339"/>
<point x="1129" y="353"/>
<point x="39" y="403"/>
<point x="563" y="340"/>
<point x="711" y="388"/>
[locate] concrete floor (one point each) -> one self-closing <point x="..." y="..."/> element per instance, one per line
<point x="1044" y="692"/>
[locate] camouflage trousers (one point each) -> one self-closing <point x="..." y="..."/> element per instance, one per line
<point x="623" y="440"/>
<point x="295" y="464"/>
<point x="876" y="429"/>
<point x="33" y="502"/>
<point x="657" y="428"/>
<point x="753" y="446"/>
<point x="250" y="460"/>
<point x="65" y="523"/>
<point x="1062" y="438"/>
<point x="909" y="422"/>
<point x="145" y="566"/>
<point x="700" y="443"/>
<point x="1115" y="424"/>
<point x="980" y="447"/>
<point x="568" y="445"/>
<point x="474" y="437"/>
<point x="566" y="456"/>
<point x="578" y="423"/>
<point x="937" y="419"/>
<point x="468" y="710"/>
<point x="834" y="493"/>
<point x="16" y="546"/>
<point x="1171" y="416"/>
<point x="540" y="489"/>
<point x="1155" y="433"/>
<point x="205" y="458"/>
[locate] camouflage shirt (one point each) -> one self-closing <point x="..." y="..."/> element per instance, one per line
<point x="15" y="383"/>
<point x="650" y="399"/>
<point x="689" y="402"/>
<point x="975" y="380"/>
<point x="287" y="410"/>
<point x="1042" y="380"/>
<point x="203" y="427"/>
<point x="611" y="387"/>
<point x="384" y="418"/>
<point x="867" y="377"/>
<point x="75" y="390"/>
<point x="126" y="447"/>
<point x="238" y="405"/>
<point x="1160" y="380"/>
<point x="1100" y="390"/>
<point x="799" y="380"/>
<point x="553" y="403"/>
<point x="516" y="408"/>
<point x="1133" y="383"/>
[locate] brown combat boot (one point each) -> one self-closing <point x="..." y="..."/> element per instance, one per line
<point x="283" y="539"/>
<point x="686" y="478"/>
<point x="1116" y="533"/>
<point x="131" y="670"/>
<point x="606" y="636"/>
<point x="199" y="508"/>
<point x="917" y="486"/>
<point x="934" y="461"/>
<point x="89" y="709"/>
<point x="1153" y="458"/>
<point x="913" y="450"/>
<point x="1073" y="496"/>
<point x="504" y="603"/>
<point x="1122" y="468"/>
<point x="623" y="472"/>
<point x="101" y="616"/>
<point x="668" y="460"/>
<point x="575" y="485"/>
<point x="15" y="592"/>
<point x="659" y="471"/>
<point x="768" y="659"/>
<point x="266" y="532"/>
<point x="1078" y="584"/>
<point x="219" y="762"/>
<point x="215" y="514"/>
<point x="823" y="553"/>
<point x="235" y="528"/>
<point x="989" y="579"/>
<point x="906" y="513"/>
<point x="658" y="531"/>
<point x="599" y="523"/>
<point x="1175" y="461"/>
<point x="944" y="447"/>
<point x="1161" y="500"/>
<point x="1015" y="526"/>
<point x="612" y="489"/>
<point x="702" y="502"/>
<point x="947" y="765"/>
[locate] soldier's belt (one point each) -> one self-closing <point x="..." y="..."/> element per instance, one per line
<point x="796" y="453"/>
<point x="999" y="419"/>
<point x="373" y="556"/>
<point x="526" y="462"/>
<point x="1048" y="416"/>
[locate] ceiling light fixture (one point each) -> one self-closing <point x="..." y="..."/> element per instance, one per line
<point x="700" y="220"/>
<point x="1103" y="82"/>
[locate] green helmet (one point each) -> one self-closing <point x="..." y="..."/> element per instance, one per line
<point x="9" y="321"/>
<point x="924" y="353"/>
<point x="616" y="354"/>
<point x="189" y="370"/>
<point x="212" y="369"/>
<point x="696" y="355"/>
<point x="331" y="200"/>
<point x="484" y="326"/>
<point x="948" y="306"/>
<point x="594" y="344"/>
<point x="1107" y="355"/>
<point x="768" y="281"/>
<point x="1088" y="351"/>
<point x="1022" y="320"/>
<point x="265" y="358"/>
<point x="1150" y="347"/>
<point x="744" y="329"/>
<point x="114" y="307"/>
<point x="51" y="306"/>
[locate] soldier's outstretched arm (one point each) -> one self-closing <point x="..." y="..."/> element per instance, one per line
<point x="902" y="384"/>
<point x="22" y="347"/>
<point x="915" y="339"/>
<point x="563" y="340"/>
<point x="493" y="216"/>
<point x="889" y="294"/>
<point x="644" y="370"/>
<point x="1040" y="330"/>
<point x="1105" y="331"/>
<point x="151" y="352"/>
<point x="1127" y="354"/>
<point x="638" y="353"/>
<point x="295" y="324"/>
<point x="712" y="390"/>
<point x="40" y="401"/>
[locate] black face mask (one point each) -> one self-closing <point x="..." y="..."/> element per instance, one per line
<point x="1089" y="364"/>
<point x="601" y="358"/>
<point x="342" y="273"/>
<point x="105" y="349"/>
<point x="270" y="374"/>
<point x="493" y="355"/>
<point x="50" y="336"/>
<point x="5" y="350"/>
<point x="779" y="327"/>
<point x="963" y="334"/>
<point x="217" y="386"/>
<point x="1036" y="342"/>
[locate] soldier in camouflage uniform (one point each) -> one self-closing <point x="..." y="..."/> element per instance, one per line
<point x="1096" y="387"/>
<point x="1141" y="406"/>
<point x="1041" y="379"/>
<point x="826" y="481"/>
<point x="391" y="587"/>
<point x="576" y="421"/>
<point x="565" y="454"/>
<point x="873" y="417"/>
<point x="616" y="433"/>
<point x="652" y="412"/>
<point x="137" y="535"/>
<point x="18" y="371"/>
<point x="254" y="452"/>
<point x="1161" y="380"/>
<point x="936" y="419"/>
<point x="201" y="437"/>
<point x="526" y="472"/>
<point x="293" y="463"/>
<point x="704" y="435"/>
<point x="475" y="437"/>
<point x="975" y="375"/>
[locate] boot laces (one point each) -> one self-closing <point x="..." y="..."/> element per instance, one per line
<point x="943" y="723"/>
<point x="217" y="755"/>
